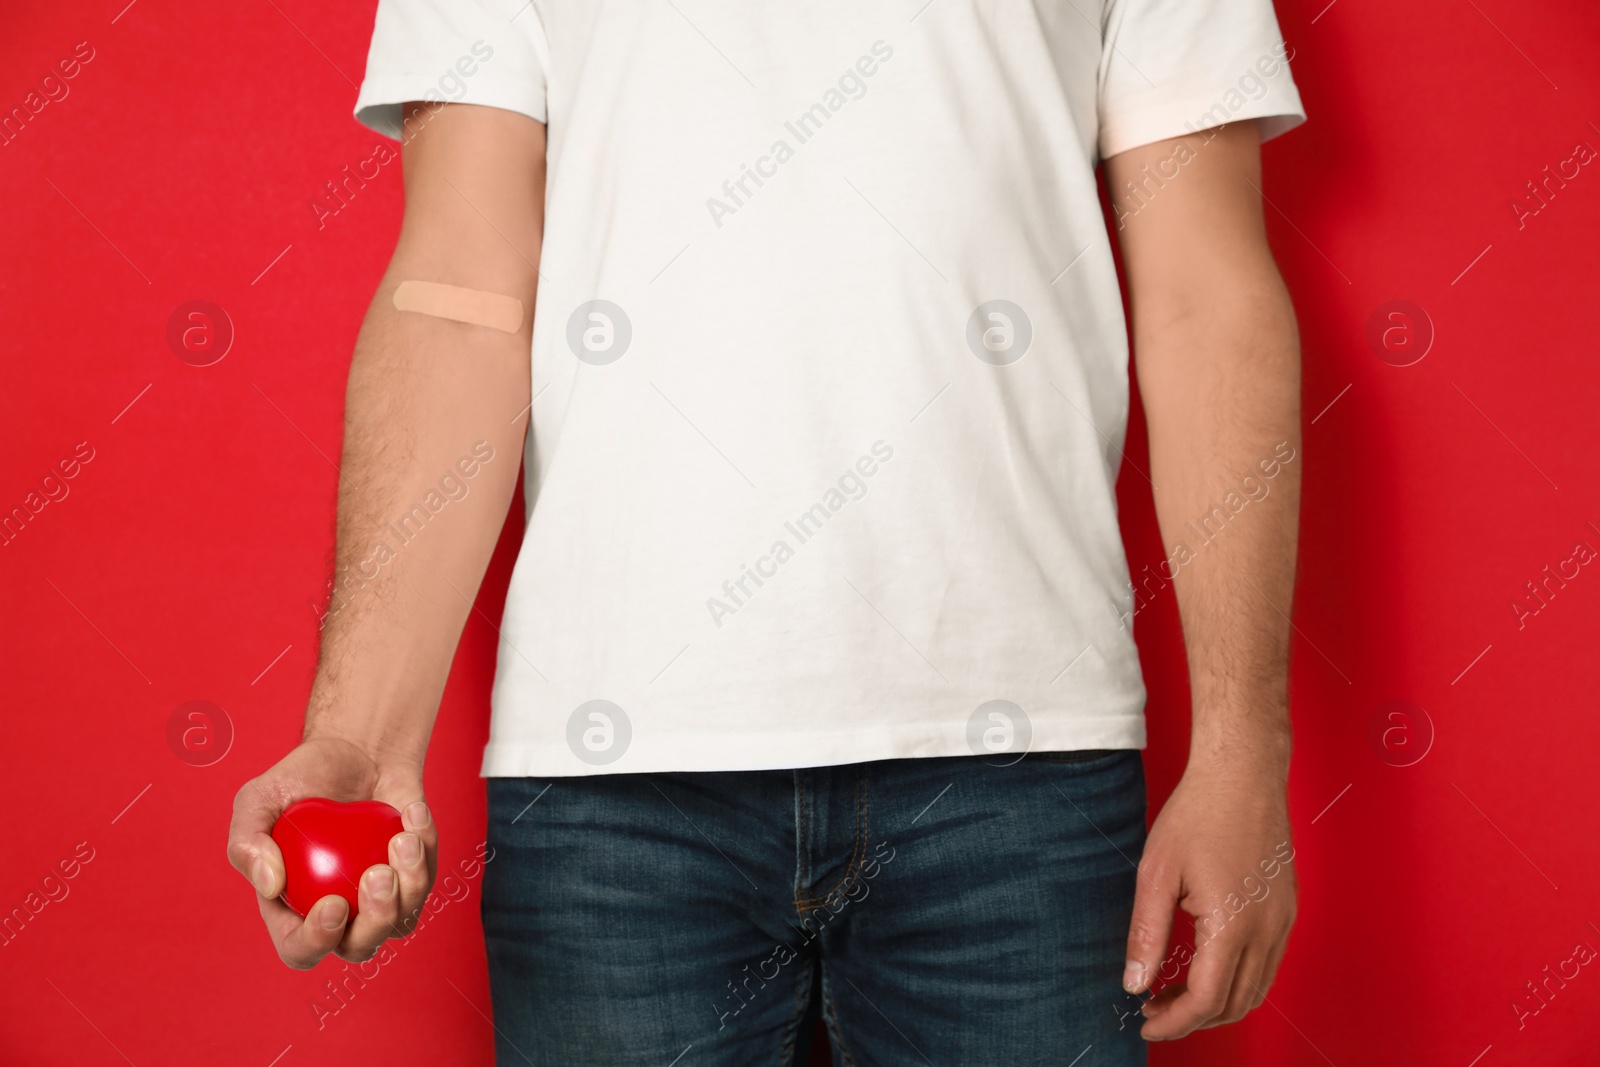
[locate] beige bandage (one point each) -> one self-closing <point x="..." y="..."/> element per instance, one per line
<point x="460" y="305"/>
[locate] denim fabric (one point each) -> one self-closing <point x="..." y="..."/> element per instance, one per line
<point x="948" y="911"/>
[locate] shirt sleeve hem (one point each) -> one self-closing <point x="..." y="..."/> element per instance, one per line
<point x="380" y="100"/>
<point x="1120" y="133"/>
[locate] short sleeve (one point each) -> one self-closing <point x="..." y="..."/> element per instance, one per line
<point x="1170" y="67"/>
<point x="490" y="52"/>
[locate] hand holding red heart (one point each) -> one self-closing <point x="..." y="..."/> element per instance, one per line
<point x="334" y="831"/>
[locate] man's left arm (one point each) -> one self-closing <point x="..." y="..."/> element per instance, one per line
<point x="1218" y="363"/>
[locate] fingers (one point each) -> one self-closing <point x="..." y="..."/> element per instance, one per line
<point x="1258" y="965"/>
<point x="1161" y="1001"/>
<point x="1229" y="979"/>
<point x="1269" y="971"/>
<point x="1153" y="902"/>
<point x="377" y="916"/>
<point x="392" y="895"/>
<point x="413" y="855"/>
<point x="1204" y="995"/>
<point x="302" y="943"/>
<point x="251" y="850"/>
<point x="1246" y="992"/>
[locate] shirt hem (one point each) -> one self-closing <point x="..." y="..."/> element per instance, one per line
<point x="789" y="751"/>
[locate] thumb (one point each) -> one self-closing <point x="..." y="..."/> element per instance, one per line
<point x="1149" y="931"/>
<point x="251" y="849"/>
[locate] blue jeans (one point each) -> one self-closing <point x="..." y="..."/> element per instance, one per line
<point x="949" y="911"/>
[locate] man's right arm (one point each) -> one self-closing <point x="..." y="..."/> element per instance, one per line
<point x="415" y="528"/>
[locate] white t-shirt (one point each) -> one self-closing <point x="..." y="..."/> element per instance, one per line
<point x="830" y="372"/>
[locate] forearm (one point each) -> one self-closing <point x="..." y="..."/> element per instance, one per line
<point x="432" y="449"/>
<point x="1218" y="360"/>
<point x="1225" y="459"/>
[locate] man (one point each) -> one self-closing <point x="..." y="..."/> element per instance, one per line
<point x="817" y="692"/>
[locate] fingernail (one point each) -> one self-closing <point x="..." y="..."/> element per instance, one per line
<point x="409" y="848"/>
<point x="1133" y="976"/>
<point x="380" y="883"/>
<point x="333" y="914"/>
<point x="417" y="817"/>
<point x="261" y="876"/>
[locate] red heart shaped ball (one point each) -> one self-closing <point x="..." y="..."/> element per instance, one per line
<point x="328" y="844"/>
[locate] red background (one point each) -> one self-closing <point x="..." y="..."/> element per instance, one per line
<point x="192" y="547"/>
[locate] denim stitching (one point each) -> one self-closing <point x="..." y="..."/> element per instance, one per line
<point x="847" y="881"/>
<point x="830" y="1013"/>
